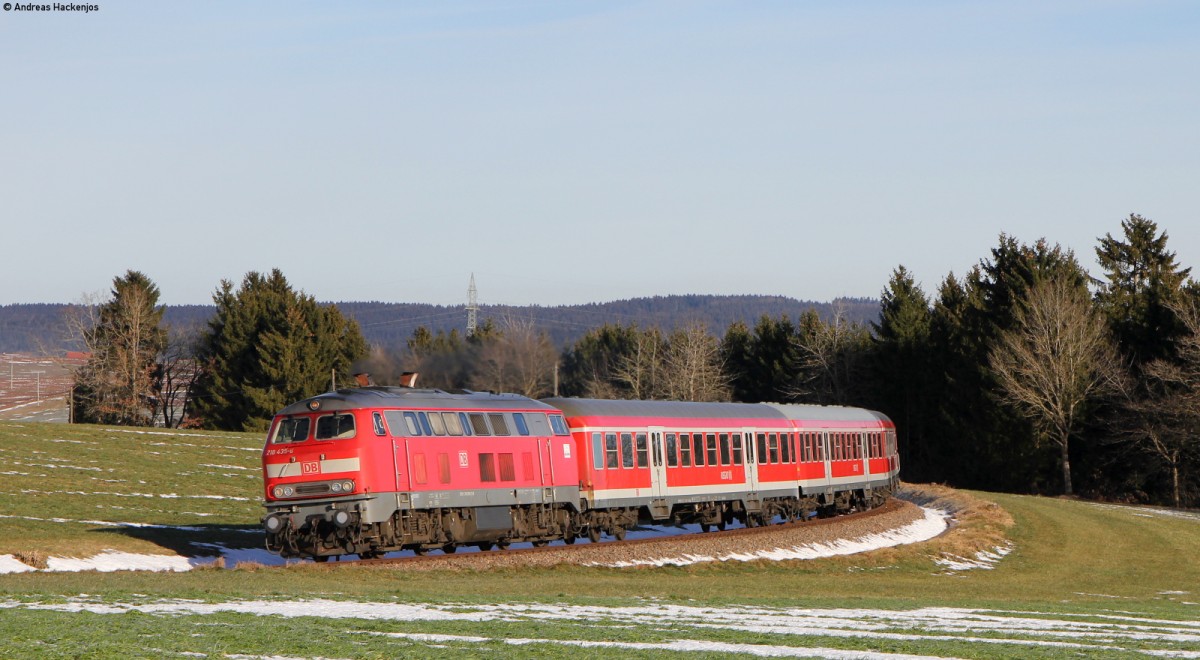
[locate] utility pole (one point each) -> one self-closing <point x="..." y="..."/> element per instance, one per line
<point x="472" y="306"/>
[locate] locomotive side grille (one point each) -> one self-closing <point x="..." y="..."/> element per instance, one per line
<point x="312" y="489"/>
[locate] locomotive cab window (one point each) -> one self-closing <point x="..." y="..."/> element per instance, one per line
<point x="519" y="421"/>
<point x="380" y="429"/>
<point x="559" y="425"/>
<point x="291" y="429"/>
<point x="335" y="427"/>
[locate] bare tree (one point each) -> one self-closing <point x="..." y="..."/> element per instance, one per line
<point x="518" y="359"/>
<point x="640" y="369"/>
<point x="829" y="358"/>
<point x="1058" y="356"/>
<point x="694" y="368"/>
<point x="1168" y="412"/>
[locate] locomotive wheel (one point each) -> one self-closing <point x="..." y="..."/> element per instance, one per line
<point x="503" y="545"/>
<point x="619" y="532"/>
<point x="372" y="554"/>
<point x="594" y="534"/>
<point x="484" y="546"/>
<point x="420" y="552"/>
<point x="705" y="527"/>
<point x="449" y="548"/>
<point x="321" y="559"/>
<point x="541" y="543"/>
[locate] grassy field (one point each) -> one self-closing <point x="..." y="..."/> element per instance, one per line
<point x="1081" y="579"/>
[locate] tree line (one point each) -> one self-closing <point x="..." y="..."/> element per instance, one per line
<point x="1024" y="374"/>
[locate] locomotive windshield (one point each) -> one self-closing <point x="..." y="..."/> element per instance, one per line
<point x="335" y="427"/>
<point x="291" y="429"/>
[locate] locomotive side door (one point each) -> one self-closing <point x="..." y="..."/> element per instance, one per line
<point x="751" y="461"/>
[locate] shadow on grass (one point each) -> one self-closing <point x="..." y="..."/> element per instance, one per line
<point x="193" y="540"/>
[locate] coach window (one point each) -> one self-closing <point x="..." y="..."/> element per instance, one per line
<point x="610" y="448"/>
<point x="711" y="439"/>
<point x="773" y="447"/>
<point x="784" y="450"/>
<point x="335" y="427"/>
<point x="292" y="429"/>
<point x="487" y="467"/>
<point x="642" y="454"/>
<point x="424" y="420"/>
<point x="685" y="450"/>
<point x="559" y="425"/>
<point x="737" y="448"/>
<point x="435" y="421"/>
<point x="597" y="450"/>
<point x="698" y="449"/>
<point x="627" y="450"/>
<point x="380" y="429"/>
<point x="479" y="424"/>
<point x="762" y="448"/>
<point x="726" y="455"/>
<point x="453" y="423"/>
<point x="519" y="421"/>
<point x="672" y="459"/>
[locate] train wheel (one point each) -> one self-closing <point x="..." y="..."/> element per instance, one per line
<point x="569" y="539"/>
<point x="321" y="559"/>
<point x="449" y="548"/>
<point x="420" y="552"/>
<point x="619" y="532"/>
<point x="485" y="546"/>
<point x="594" y="534"/>
<point x="705" y="527"/>
<point x="721" y="525"/>
<point x="503" y="545"/>
<point x="541" y="543"/>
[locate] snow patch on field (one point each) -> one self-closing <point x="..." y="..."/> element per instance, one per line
<point x="1088" y="634"/>
<point x="934" y="522"/>
<point x="984" y="559"/>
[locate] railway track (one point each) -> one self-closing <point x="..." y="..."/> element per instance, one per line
<point x="892" y="513"/>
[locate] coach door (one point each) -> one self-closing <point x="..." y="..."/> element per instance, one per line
<point x="751" y="461"/>
<point x="658" y="474"/>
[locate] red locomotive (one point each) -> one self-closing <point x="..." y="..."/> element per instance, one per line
<point x="377" y="469"/>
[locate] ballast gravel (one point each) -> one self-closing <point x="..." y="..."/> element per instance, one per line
<point x="709" y="546"/>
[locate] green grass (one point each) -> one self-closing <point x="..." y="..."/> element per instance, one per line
<point x="59" y="484"/>
<point x="1072" y="561"/>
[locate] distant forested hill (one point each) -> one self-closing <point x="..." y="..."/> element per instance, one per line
<point x="40" y="328"/>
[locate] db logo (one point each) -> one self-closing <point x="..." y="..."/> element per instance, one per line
<point x="310" y="467"/>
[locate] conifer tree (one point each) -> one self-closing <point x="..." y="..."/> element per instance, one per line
<point x="268" y="346"/>
<point x="1144" y="283"/>
<point x="900" y="368"/>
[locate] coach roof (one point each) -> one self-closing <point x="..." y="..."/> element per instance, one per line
<point x="684" y="409"/>
<point x="405" y="397"/>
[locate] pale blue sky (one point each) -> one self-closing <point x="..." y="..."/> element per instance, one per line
<point x="572" y="152"/>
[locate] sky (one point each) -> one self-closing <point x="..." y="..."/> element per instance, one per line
<point x="573" y="152"/>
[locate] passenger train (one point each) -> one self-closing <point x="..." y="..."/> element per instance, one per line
<point x="372" y="470"/>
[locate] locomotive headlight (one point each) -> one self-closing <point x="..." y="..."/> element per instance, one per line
<point x="288" y="491"/>
<point x="336" y="487"/>
<point x="348" y="486"/>
<point x="278" y="491"/>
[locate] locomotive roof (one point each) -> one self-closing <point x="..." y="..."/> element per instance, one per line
<point x="687" y="409"/>
<point x="408" y="397"/>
